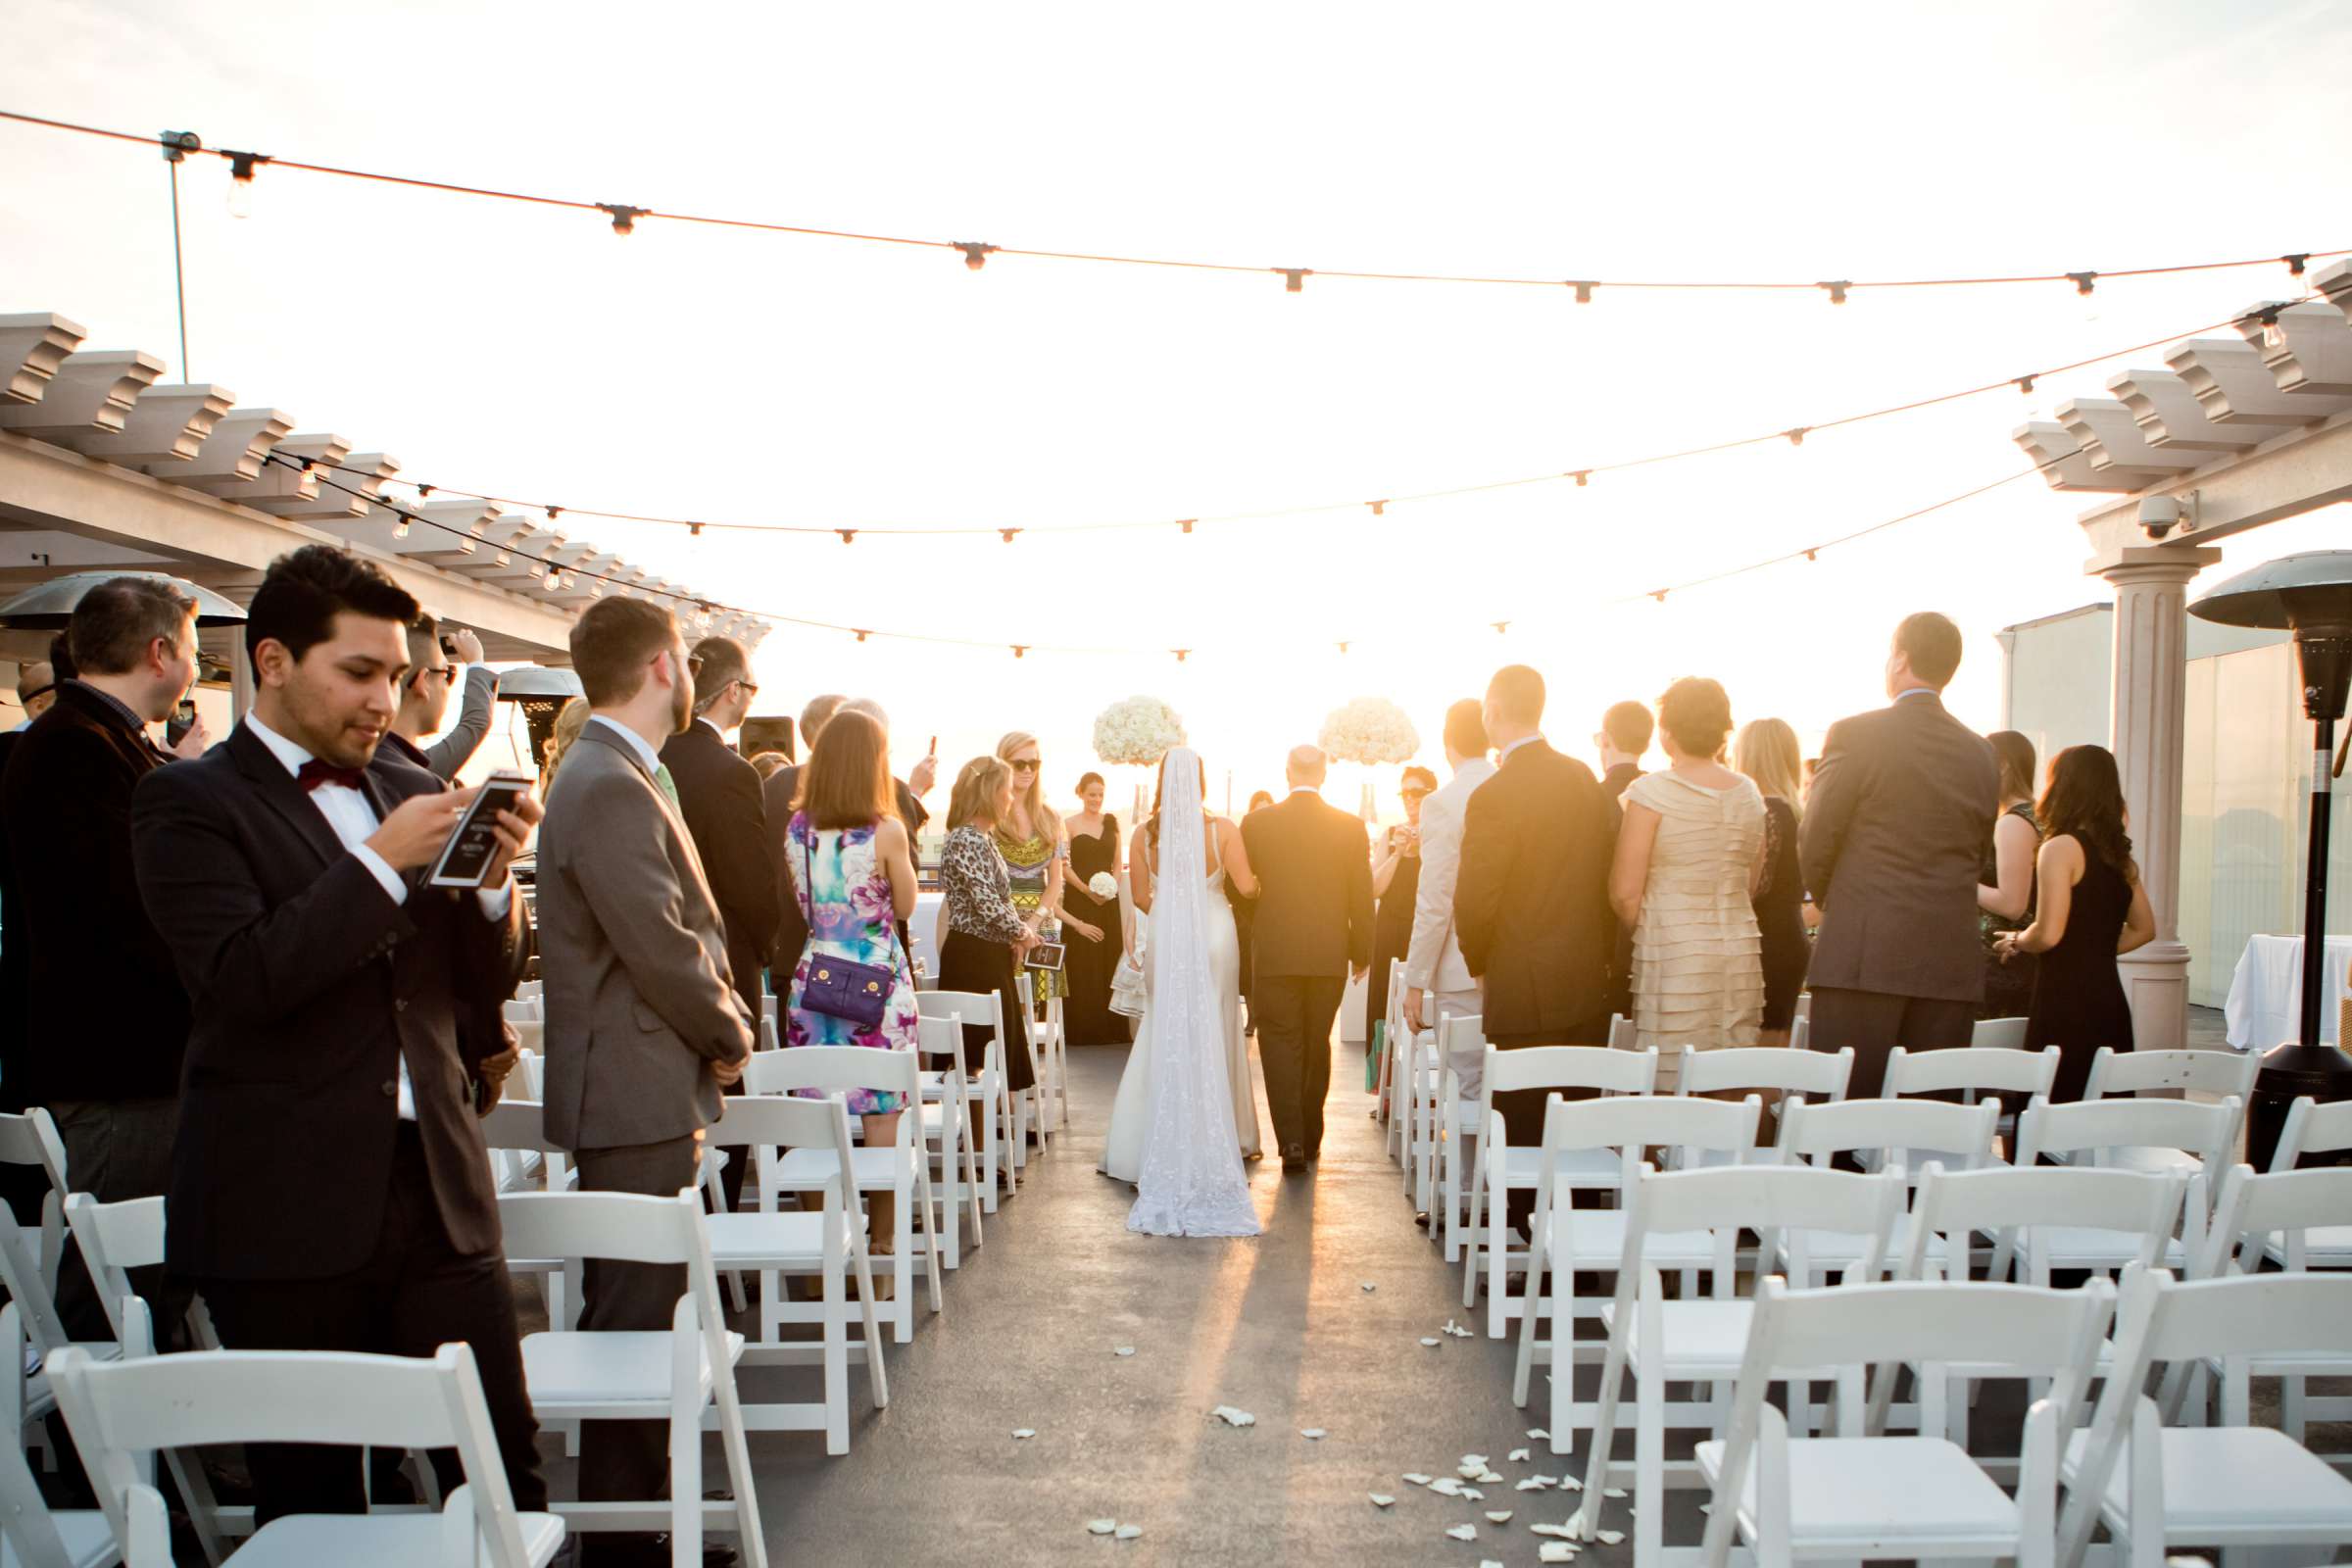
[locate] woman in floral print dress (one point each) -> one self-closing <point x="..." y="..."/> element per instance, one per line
<point x="847" y="855"/>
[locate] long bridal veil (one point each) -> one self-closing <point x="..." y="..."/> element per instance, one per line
<point x="1191" y="1182"/>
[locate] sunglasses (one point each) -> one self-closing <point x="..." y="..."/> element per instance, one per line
<point x="1025" y="767"/>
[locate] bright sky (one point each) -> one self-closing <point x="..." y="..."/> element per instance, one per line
<point x="771" y="378"/>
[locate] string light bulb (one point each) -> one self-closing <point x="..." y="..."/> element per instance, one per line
<point x="849" y="536"/>
<point x="553" y="513"/>
<point x="1836" y="288"/>
<point x="1180" y="653"/>
<point x="2024" y="384"/>
<point x="1343" y="647"/>
<point x="1502" y="627"/>
<point x="424" y="492"/>
<point x="1582" y="476"/>
<point x="624" y="217"/>
<point x="1659" y="594"/>
<point x="1796" y="436"/>
<point x="694" y="530"/>
<point x="1186" y="523"/>
<point x="861" y="635"/>
<point x="240" y="183"/>
<point x="1009" y="533"/>
<point x="1813" y="554"/>
<point x="1583" y="289"/>
<point x="1293" y="278"/>
<point x="975" y="254"/>
<point x="1020" y="650"/>
<point x="1379" y="508"/>
<point x="2296" y="261"/>
<point x="400" y="529"/>
<point x="2084" y="282"/>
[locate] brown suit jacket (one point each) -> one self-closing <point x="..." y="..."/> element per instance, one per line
<point x="1531" y="904"/>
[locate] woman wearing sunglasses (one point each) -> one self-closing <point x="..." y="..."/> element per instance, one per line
<point x="1029" y="837"/>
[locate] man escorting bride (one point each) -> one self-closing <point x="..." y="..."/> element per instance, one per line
<point x="1184" y="1110"/>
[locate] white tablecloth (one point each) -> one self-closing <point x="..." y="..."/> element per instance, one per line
<point x="2266" y="994"/>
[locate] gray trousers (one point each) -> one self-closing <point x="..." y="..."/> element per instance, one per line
<point x="118" y="1149"/>
<point x="627" y="1461"/>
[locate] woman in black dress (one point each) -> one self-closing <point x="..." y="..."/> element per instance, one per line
<point x="2091" y="909"/>
<point x="1768" y="754"/>
<point x="1395" y="883"/>
<point x="987" y="938"/>
<point x="1093" y="836"/>
<point x="2005" y="889"/>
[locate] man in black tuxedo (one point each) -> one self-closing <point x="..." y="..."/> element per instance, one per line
<point x="1892" y="846"/>
<point x="1624" y="740"/>
<point x="106" y="1019"/>
<point x="720" y="797"/>
<point x="1531" y="904"/>
<point x="1313" y="930"/>
<point x="329" y="1185"/>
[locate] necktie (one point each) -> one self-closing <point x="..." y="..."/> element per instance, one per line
<point x="669" y="786"/>
<point x="315" y="773"/>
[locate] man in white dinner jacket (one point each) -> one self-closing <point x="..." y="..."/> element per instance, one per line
<point x="1438" y="983"/>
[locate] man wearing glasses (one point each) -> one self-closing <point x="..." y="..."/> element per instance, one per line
<point x="425" y="700"/>
<point x="719" y="796"/>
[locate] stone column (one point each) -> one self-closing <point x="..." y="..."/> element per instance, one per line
<point x="2148" y="718"/>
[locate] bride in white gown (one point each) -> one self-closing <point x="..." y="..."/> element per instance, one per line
<point x="1186" y="1113"/>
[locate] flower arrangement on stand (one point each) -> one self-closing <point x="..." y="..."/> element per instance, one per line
<point x="1371" y="731"/>
<point x="1137" y="732"/>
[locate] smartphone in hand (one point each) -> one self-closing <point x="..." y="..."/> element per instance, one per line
<point x="464" y="860"/>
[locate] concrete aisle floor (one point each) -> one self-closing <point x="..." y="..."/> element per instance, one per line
<point x="1279" y="1326"/>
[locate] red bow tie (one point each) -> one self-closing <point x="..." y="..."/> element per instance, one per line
<point x="315" y="773"/>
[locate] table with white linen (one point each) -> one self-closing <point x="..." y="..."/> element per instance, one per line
<point x="2266" y="995"/>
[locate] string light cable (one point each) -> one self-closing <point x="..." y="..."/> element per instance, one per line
<point x="1582" y="476"/>
<point x="625" y="218"/>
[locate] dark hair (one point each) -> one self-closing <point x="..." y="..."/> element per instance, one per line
<point x="423" y="632"/>
<point x="846" y="781"/>
<point x="2084" y="798"/>
<point x="1429" y="780"/>
<point x="1932" y="645"/>
<point x="1696" y="713"/>
<point x="1629" y="727"/>
<point x="612" y="641"/>
<point x="1084" y="779"/>
<point x="1466" y="728"/>
<point x="1160" y="790"/>
<point x="2015" y="754"/>
<point x="770" y="764"/>
<point x="723" y="660"/>
<point x="118" y="620"/>
<point x="305" y="590"/>
<point x="1267" y="795"/>
<point x="1517" y="691"/>
<point x="61" y="659"/>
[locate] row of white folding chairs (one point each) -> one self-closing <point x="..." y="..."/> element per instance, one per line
<point x="1694" y="1217"/>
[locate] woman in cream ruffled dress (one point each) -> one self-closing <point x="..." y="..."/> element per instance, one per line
<point x="1689" y="858"/>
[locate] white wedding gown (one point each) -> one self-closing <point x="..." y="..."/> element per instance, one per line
<point x="1186" y="1110"/>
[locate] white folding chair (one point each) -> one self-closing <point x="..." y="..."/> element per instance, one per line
<point x="1500" y="1168"/>
<point x="2173" y="1074"/>
<point x="30" y="1140"/>
<point x="981" y="1009"/>
<point x="1430" y="1091"/>
<point x="672" y="1375"/>
<point x="1893" y="1135"/>
<point x="1777" y="1071"/>
<point x="901" y="1168"/>
<point x="2316" y="1129"/>
<point x="2233" y="1486"/>
<point x="1862" y="1494"/>
<point x="1661" y="1341"/>
<point x="1622" y="1032"/>
<point x="2017" y="1075"/>
<point x="2107" y="1133"/>
<point x="1998" y="1034"/>
<point x="1029" y="1104"/>
<point x="1569" y="1241"/>
<point x="121" y="1412"/>
<point x="826" y="1243"/>
<point x="947" y="1131"/>
<point x="32" y="1535"/>
<point x="2273" y="1217"/>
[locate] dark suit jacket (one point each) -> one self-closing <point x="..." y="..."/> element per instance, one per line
<point x="1893" y="845"/>
<point x="106" y="1017"/>
<point x="15" y="963"/>
<point x="1617" y="780"/>
<point x="720" y="795"/>
<point x="310" y="985"/>
<point x="1531" y="906"/>
<point x="1314" y="876"/>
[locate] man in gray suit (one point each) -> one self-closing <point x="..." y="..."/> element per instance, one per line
<point x="1893" y="842"/>
<point x="644" y="1026"/>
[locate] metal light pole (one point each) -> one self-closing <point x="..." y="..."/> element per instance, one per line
<point x="2309" y="595"/>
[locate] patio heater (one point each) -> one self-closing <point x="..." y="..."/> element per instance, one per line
<point x="2311" y="596"/>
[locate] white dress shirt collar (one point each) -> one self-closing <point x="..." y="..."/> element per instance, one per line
<point x="1524" y="740"/>
<point x="637" y="743"/>
<point x="290" y="757"/>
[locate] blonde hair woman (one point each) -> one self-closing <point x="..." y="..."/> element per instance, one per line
<point x="1029" y="837"/>
<point x="571" y="719"/>
<point x="984" y="935"/>
<point x="1768" y="754"/>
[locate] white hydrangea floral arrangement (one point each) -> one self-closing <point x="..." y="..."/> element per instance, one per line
<point x="1369" y="729"/>
<point x="1137" y="732"/>
<point x="1102" y="885"/>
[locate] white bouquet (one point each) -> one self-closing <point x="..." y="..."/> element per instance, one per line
<point x="1137" y="732"/>
<point x="1102" y="885"/>
<point x="1369" y="729"/>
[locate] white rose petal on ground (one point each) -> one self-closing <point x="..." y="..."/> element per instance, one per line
<point x="1124" y="1349"/>
<point x="1432" y="1343"/>
<point x="1571" y="1484"/>
<point x="1611" y="1538"/>
<point x="1233" y="1417"/>
<point x="1474" y="1461"/>
<point x="1538" y="1434"/>
<point x="1447" y="1487"/>
<point x="1473" y="1495"/>
<point x="1462" y="1533"/>
<point x="1415" y="1478"/>
<point x="1490" y="1563"/>
<point x="1369" y="1287"/>
<point x="1381" y="1499"/>
<point x="1519" y="1455"/>
<point x="1533" y="1484"/>
<point x="1612" y="1492"/>
<point x="1024" y="1433"/>
<point x="1487" y="1478"/>
<point x="1498" y="1517"/>
<point x="1556" y="1552"/>
<point x="1128" y="1532"/>
<point x="1560" y="1531"/>
<point x="1102" y="1527"/>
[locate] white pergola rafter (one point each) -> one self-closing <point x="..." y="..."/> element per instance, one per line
<point x="2232" y="434"/>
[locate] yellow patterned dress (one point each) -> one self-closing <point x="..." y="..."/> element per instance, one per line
<point x="1699" y="971"/>
<point x="1029" y="863"/>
